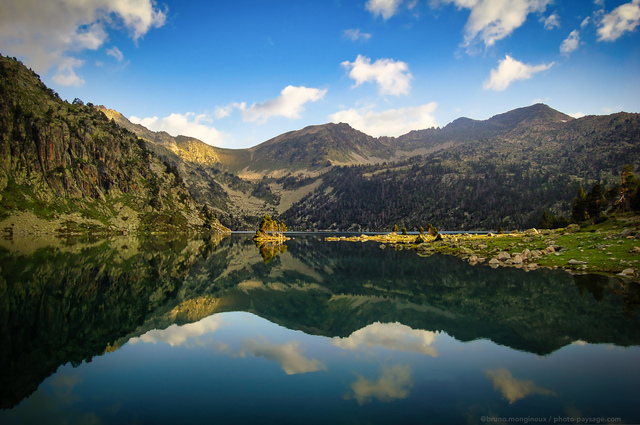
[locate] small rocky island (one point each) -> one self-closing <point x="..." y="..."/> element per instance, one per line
<point x="270" y="231"/>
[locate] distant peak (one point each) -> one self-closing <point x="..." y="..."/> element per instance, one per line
<point x="537" y="112"/>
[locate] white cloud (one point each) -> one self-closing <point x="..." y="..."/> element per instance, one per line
<point x="289" y="104"/>
<point x="66" y="75"/>
<point x="571" y="43"/>
<point x="552" y="21"/>
<point x="392" y="77"/>
<point x="176" y="335"/>
<point x="88" y="38"/>
<point x="577" y="115"/>
<point x="116" y="53"/>
<point x="510" y="70"/>
<point x="384" y="8"/>
<point x="288" y="355"/>
<point x="224" y="111"/>
<point x="187" y="125"/>
<point x="585" y="22"/>
<point x="393" y="122"/>
<point x="356" y="34"/>
<point x="493" y="20"/>
<point x="622" y="19"/>
<point x="393" y="336"/>
<point x="514" y="389"/>
<point x="393" y="384"/>
<point x="45" y="34"/>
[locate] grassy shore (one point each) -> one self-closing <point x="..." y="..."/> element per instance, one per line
<point x="611" y="247"/>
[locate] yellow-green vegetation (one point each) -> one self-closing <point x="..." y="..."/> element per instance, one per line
<point x="612" y="246"/>
<point x="270" y="231"/>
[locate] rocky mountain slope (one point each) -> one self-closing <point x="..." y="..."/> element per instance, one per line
<point x="470" y="174"/>
<point x="67" y="168"/>
<point x="536" y="161"/>
<point x="91" y="168"/>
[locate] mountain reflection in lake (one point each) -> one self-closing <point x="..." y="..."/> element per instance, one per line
<point x="216" y="330"/>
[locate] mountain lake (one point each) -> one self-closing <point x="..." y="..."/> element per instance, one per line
<point x="216" y="330"/>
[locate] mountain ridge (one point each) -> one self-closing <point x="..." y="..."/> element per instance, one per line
<point x="536" y="140"/>
<point x="470" y="174"/>
<point x="66" y="167"/>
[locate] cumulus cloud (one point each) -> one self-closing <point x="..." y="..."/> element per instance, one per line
<point x="510" y="70"/>
<point x="176" y="335"/>
<point x="49" y="34"/>
<point x="571" y="43"/>
<point x="188" y="124"/>
<point x="393" y="336"/>
<point x="393" y="384"/>
<point x="289" y="104"/>
<point x="493" y="20"/>
<point x="384" y="8"/>
<point x="514" y="389"/>
<point x="624" y="18"/>
<point x="392" y="122"/>
<point x="288" y="355"/>
<point x="354" y="34"/>
<point x="392" y="77"/>
<point x="551" y="22"/>
<point x="577" y="115"/>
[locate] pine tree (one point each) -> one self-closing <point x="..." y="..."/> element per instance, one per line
<point x="629" y="186"/>
<point x="546" y="222"/>
<point x="596" y="202"/>
<point x="579" y="210"/>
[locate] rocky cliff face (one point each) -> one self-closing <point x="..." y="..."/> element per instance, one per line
<point x="65" y="167"/>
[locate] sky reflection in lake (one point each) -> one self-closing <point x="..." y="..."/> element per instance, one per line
<point x="200" y="332"/>
<point x="238" y="366"/>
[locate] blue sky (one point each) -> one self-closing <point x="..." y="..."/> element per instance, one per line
<point x="235" y="74"/>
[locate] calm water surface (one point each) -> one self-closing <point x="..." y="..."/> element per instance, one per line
<point x="217" y="330"/>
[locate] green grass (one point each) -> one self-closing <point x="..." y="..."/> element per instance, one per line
<point x="601" y="246"/>
<point x="16" y="197"/>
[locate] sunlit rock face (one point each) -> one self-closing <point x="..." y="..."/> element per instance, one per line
<point x="72" y="170"/>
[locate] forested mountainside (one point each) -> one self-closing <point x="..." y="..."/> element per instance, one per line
<point x="503" y="180"/>
<point x="84" y="168"/>
<point x="67" y="168"/>
<point x="470" y="174"/>
<point x="244" y="184"/>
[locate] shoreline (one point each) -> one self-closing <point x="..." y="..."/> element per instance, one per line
<point x="603" y="248"/>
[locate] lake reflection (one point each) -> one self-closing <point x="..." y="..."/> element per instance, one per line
<point x="214" y="331"/>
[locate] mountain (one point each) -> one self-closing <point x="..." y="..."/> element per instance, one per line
<point x="90" y="168"/>
<point x="65" y="168"/>
<point x="244" y="184"/>
<point x="466" y="129"/>
<point x="317" y="147"/>
<point x="470" y="174"/>
<point x="502" y="172"/>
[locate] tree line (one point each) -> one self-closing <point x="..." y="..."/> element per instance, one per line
<point x="593" y="205"/>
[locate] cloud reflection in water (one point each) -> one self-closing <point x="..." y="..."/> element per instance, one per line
<point x="288" y="355"/>
<point x="393" y="336"/>
<point x="394" y="383"/>
<point x="514" y="389"/>
<point x="176" y="335"/>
